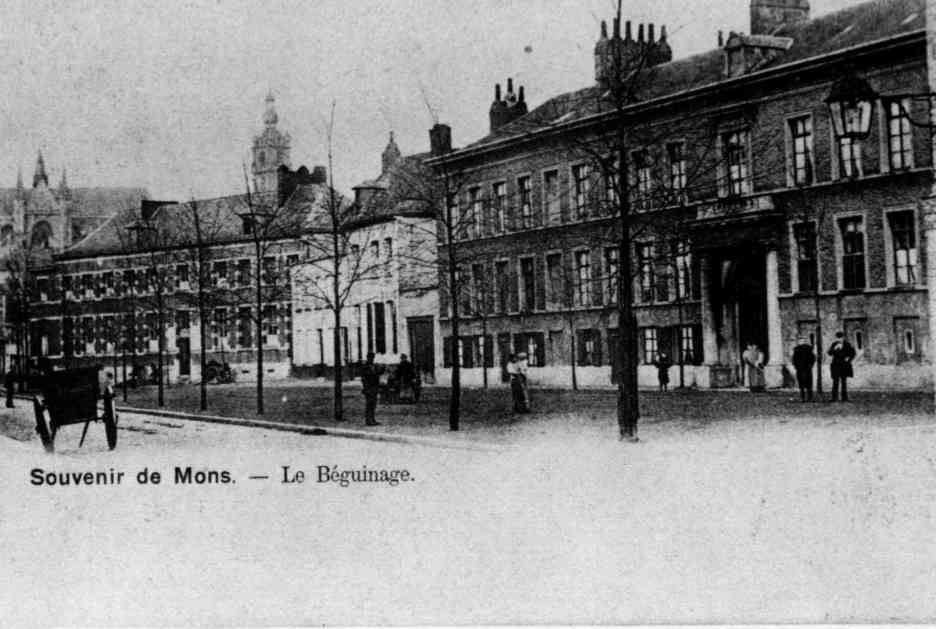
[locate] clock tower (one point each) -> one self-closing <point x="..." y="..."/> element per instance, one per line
<point x="270" y="150"/>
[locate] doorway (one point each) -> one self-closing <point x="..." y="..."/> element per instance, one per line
<point x="422" y="346"/>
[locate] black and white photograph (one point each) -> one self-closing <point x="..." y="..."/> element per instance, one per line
<point x="488" y="312"/>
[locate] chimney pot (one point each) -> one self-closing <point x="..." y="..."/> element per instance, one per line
<point x="440" y="139"/>
<point x="510" y="86"/>
<point x="520" y="95"/>
<point x="650" y="34"/>
<point x="721" y="39"/>
<point x="627" y="31"/>
<point x="640" y="33"/>
<point x="663" y="33"/>
<point x="604" y="30"/>
<point x="497" y="92"/>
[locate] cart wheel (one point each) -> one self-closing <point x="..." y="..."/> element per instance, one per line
<point x="110" y="423"/>
<point x="42" y="428"/>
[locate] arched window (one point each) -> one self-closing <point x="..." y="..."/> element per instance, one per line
<point x="41" y="236"/>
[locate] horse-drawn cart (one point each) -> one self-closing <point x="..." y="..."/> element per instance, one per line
<point x="71" y="397"/>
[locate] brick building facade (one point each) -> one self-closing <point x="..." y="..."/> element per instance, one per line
<point x="743" y="204"/>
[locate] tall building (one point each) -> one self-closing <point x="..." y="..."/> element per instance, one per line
<point x="270" y="149"/>
<point x="751" y="222"/>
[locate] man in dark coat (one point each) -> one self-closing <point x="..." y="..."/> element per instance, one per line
<point x="370" y="381"/>
<point x="842" y="354"/>
<point x="405" y="374"/>
<point x="803" y="360"/>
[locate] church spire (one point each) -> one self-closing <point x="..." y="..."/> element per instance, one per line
<point x="63" y="185"/>
<point x="391" y="154"/>
<point x="270" y="118"/>
<point x="40" y="175"/>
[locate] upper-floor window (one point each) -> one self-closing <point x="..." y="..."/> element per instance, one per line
<point x="611" y="274"/>
<point x="899" y="139"/>
<point x="676" y="160"/>
<point x="453" y="224"/>
<point x="904" y="246"/>
<point x="42" y="288"/>
<point x="502" y="285"/>
<point x="582" y="278"/>
<point x="609" y="175"/>
<point x="525" y="191"/>
<point x="735" y="159"/>
<point x="851" y="231"/>
<point x="804" y="236"/>
<point x="581" y="186"/>
<point x="849" y="158"/>
<point x="243" y="272"/>
<point x="801" y="150"/>
<point x="475" y="208"/>
<point x="182" y="278"/>
<point x="388" y="248"/>
<point x="682" y="263"/>
<point x="527" y="285"/>
<point x="551" y="197"/>
<point x="646" y="272"/>
<point x="499" y="191"/>
<point x="375" y="251"/>
<point x="221" y="272"/>
<point x="642" y="184"/>
<point x="479" y="296"/>
<point x="554" y="281"/>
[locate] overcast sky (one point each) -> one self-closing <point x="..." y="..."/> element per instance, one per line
<point x="168" y="94"/>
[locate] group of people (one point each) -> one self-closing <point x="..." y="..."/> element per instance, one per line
<point x="405" y="378"/>
<point x="842" y="353"/>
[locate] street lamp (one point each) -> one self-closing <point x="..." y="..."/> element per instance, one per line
<point x="850" y="102"/>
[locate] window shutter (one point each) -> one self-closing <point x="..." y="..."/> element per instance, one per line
<point x="447" y="351"/>
<point x="488" y="341"/>
<point x="596" y="335"/>
<point x="468" y="352"/>
<point x="697" y="354"/>
<point x="540" y="348"/>
<point x="514" y="286"/>
<point x="539" y="281"/>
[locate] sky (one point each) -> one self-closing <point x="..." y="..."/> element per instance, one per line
<point x="168" y="94"/>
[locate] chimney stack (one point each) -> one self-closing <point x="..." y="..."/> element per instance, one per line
<point x="650" y="34"/>
<point x="721" y="39"/>
<point x="627" y="30"/>
<point x="640" y="34"/>
<point x="440" y="139"/>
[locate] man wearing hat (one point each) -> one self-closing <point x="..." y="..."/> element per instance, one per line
<point x="370" y="383"/>
<point x="516" y="370"/>
<point x="842" y="354"/>
<point x="803" y="360"/>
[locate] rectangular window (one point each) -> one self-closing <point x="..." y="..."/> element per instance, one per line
<point x="849" y="154"/>
<point x="270" y="322"/>
<point x="676" y="159"/>
<point x="453" y="220"/>
<point x="735" y="158"/>
<point x="589" y="348"/>
<point x="527" y="285"/>
<point x="899" y="141"/>
<point x="380" y="329"/>
<point x="649" y="345"/>
<point x="853" y="256"/>
<point x="554" y="283"/>
<point x="806" y="267"/>
<point x="551" y="198"/>
<point x="611" y="274"/>
<point x="499" y="193"/>
<point x="801" y="150"/>
<point x="475" y="208"/>
<point x="219" y="330"/>
<point x="67" y="286"/>
<point x="479" y="297"/>
<point x="582" y="278"/>
<point x="269" y="270"/>
<point x="610" y="177"/>
<point x="903" y="240"/>
<point x="689" y="344"/>
<point x="533" y="343"/>
<point x="244" y="328"/>
<point x="525" y="193"/>
<point x="502" y="281"/>
<point x="642" y="180"/>
<point x="375" y="251"/>
<point x="646" y="272"/>
<point x="182" y="278"/>
<point x="581" y="186"/>
<point x="42" y="288"/>
<point x="388" y="248"/>
<point x="220" y="272"/>
<point x="242" y="277"/>
<point x="682" y="263"/>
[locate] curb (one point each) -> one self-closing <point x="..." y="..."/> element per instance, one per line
<point x="306" y="429"/>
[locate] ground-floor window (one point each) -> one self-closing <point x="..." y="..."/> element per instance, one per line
<point x="589" y="347"/>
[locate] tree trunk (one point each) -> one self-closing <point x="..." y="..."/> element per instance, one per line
<point x="160" y="353"/>
<point x="259" y="320"/>
<point x="572" y="359"/>
<point x="628" y="409"/>
<point x="455" y="397"/>
<point x="484" y="360"/>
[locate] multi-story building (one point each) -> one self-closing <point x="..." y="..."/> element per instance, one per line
<point x="111" y="298"/>
<point x="387" y="281"/>
<point x="751" y="221"/>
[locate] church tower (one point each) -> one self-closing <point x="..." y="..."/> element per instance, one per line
<point x="270" y="150"/>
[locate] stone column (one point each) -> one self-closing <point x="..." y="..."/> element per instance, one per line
<point x="774" y="370"/>
<point x="709" y="334"/>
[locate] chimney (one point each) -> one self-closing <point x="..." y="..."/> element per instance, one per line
<point x="319" y="175"/>
<point x="721" y="39"/>
<point x="604" y="30"/>
<point x="640" y="34"/>
<point x="497" y="92"/>
<point x="768" y="17"/>
<point x="287" y="180"/>
<point x="507" y="110"/>
<point x="440" y="139"/>
<point x="627" y="30"/>
<point x="650" y="34"/>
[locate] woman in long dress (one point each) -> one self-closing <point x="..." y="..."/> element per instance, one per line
<point x="754" y="365"/>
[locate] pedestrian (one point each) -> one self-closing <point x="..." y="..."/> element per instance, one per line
<point x="517" y="383"/>
<point x="663" y="364"/>
<point x="754" y="365"/>
<point x="803" y="360"/>
<point x="405" y="374"/>
<point x="10" y="383"/>
<point x="370" y="381"/>
<point x="842" y="354"/>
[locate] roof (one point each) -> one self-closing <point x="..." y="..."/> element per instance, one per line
<point x="403" y="190"/>
<point x="220" y="221"/>
<point x="862" y="24"/>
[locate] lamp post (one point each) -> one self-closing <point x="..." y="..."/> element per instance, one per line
<point x="851" y="101"/>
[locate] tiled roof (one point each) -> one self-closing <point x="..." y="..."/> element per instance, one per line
<point x="220" y="221"/>
<point x="854" y="26"/>
<point x="403" y="190"/>
<point x="84" y="202"/>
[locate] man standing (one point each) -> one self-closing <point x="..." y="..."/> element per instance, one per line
<point x="405" y="375"/>
<point x="370" y="381"/>
<point x="803" y="360"/>
<point x="842" y="354"/>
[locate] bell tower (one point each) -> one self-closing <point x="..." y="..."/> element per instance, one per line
<point x="270" y="150"/>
